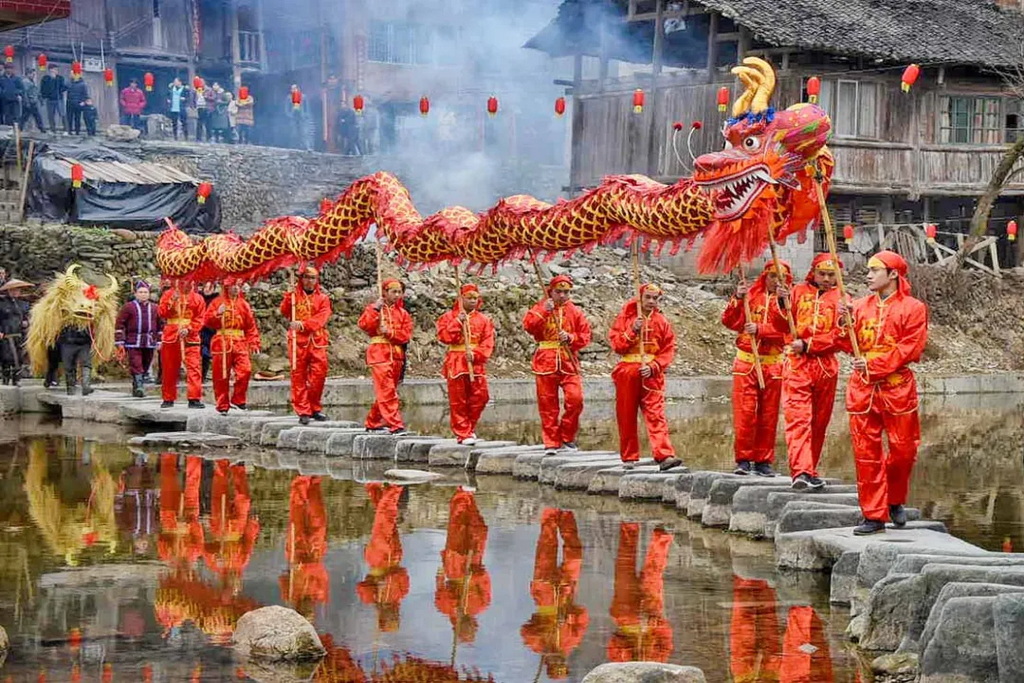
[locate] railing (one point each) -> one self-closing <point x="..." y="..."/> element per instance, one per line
<point x="249" y="47"/>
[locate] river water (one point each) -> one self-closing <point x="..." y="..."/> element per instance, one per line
<point x="123" y="566"/>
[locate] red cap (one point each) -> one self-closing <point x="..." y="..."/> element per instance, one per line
<point x="560" y="282"/>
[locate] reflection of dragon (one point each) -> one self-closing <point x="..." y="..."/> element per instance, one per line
<point x="760" y="185"/>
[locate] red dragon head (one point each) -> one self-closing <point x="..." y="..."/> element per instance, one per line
<point x="763" y="183"/>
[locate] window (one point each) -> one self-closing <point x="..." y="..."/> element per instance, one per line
<point x="972" y="120"/>
<point x="853" y="106"/>
<point x="395" y="42"/>
<point x="1014" y="119"/>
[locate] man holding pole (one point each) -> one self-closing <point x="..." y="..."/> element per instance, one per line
<point x="646" y="344"/>
<point x="235" y="338"/>
<point x="561" y="331"/>
<point x="182" y="309"/>
<point x="755" y="409"/>
<point x="307" y="309"/>
<point x="890" y="329"/>
<point x="811" y="371"/>
<point x="390" y="328"/>
<point x="469" y="335"/>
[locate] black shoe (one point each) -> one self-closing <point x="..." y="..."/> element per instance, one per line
<point x="195" y="403"/>
<point x="401" y="431"/>
<point x="763" y="469"/>
<point x="817" y="483"/>
<point x="898" y="514"/>
<point x="303" y="419"/>
<point x="240" y="406"/>
<point x="744" y="467"/>
<point x="629" y="465"/>
<point x="801" y="482"/>
<point x="222" y="412"/>
<point x="671" y="463"/>
<point x="167" y="404"/>
<point x="319" y="417"/>
<point x="570" y="446"/>
<point x="868" y="527"/>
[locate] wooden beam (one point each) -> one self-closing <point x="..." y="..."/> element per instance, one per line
<point x="743" y="45"/>
<point x="659" y="39"/>
<point x="728" y="37"/>
<point x="712" y="46"/>
<point x="669" y="14"/>
<point x="632" y="10"/>
<point x="576" y="129"/>
<point x="653" y="137"/>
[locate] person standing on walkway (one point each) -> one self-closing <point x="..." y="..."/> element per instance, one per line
<point x="137" y="330"/>
<point x="183" y="310"/>
<point x="31" y="104"/>
<point x="78" y="93"/>
<point x="390" y="328"/>
<point x="235" y="339"/>
<point x="245" y="118"/>
<point x="177" y="105"/>
<point x="203" y="107"/>
<point x="646" y="344"/>
<point x="52" y="89"/>
<point x="891" y="328"/>
<point x="761" y="323"/>
<point x="561" y="331"/>
<point x="307" y="309"/>
<point x="133" y="103"/>
<point x="811" y="371"/>
<point x="467" y="389"/>
<point x="12" y="92"/>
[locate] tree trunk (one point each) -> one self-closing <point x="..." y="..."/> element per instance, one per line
<point x="979" y="221"/>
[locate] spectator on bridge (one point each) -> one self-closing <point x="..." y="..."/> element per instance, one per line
<point x="245" y="119"/>
<point x="52" y="88"/>
<point x="177" y="105"/>
<point x="30" y="105"/>
<point x="220" y="124"/>
<point x="78" y="93"/>
<point x="202" y="113"/>
<point x="90" y="115"/>
<point x="133" y="103"/>
<point x="11" y="94"/>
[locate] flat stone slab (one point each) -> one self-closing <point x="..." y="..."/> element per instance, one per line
<point x="718" y="505"/>
<point x="271" y="431"/>
<point x="149" y="412"/>
<point x="375" y="446"/>
<point x="417" y="449"/>
<point x="547" y="465"/>
<point x="750" y="506"/>
<point x="459" y="455"/>
<point x="819" y="549"/>
<point x="341" y="441"/>
<point x="185" y="440"/>
<point x="574" y="475"/>
<point x="500" y="460"/>
<point x="406" y="476"/>
<point x="606" y="481"/>
<point x="645" y="486"/>
<point x="700" y="489"/>
<point x="527" y="465"/>
<point x="801" y="515"/>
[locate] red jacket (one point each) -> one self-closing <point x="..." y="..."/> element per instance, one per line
<point x="659" y="338"/>
<point x="481" y="334"/>
<point x="236" y="326"/>
<point x="179" y="310"/>
<point x="544" y="325"/>
<point x="133" y="101"/>
<point x="771" y="330"/>
<point x="815" y="315"/>
<point x="312" y="310"/>
<point x="389" y="347"/>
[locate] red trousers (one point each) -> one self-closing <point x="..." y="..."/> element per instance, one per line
<point x="467" y="400"/>
<point x="139" y="360"/>
<point x="808" y="395"/>
<point x="755" y="414"/>
<point x="223" y="365"/>
<point x="385" y="411"/>
<point x="754" y="646"/>
<point x="883" y="479"/>
<point x="632" y="393"/>
<point x="170" y="366"/>
<point x="308" y="377"/>
<point x="559" y="431"/>
<point x="802" y="664"/>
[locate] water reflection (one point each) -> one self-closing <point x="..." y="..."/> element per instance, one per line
<point x="387" y="581"/>
<point x="306" y="583"/>
<point x="642" y="632"/>
<point x="463" y="587"/>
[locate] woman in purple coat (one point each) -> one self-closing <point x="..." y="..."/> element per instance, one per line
<point x="138" y="331"/>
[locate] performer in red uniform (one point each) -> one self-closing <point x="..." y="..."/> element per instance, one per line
<point x="467" y="396"/>
<point x="639" y="377"/>
<point x="754" y="647"/>
<point x="800" y="663"/>
<point x="387" y="582"/>
<point x="561" y="330"/>
<point x="559" y="624"/>
<point x="182" y="310"/>
<point x="811" y="371"/>
<point x="755" y="411"/>
<point x="642" y="633"/>
<point x="463" y="586"/>
<point x="308" y="309"/>
<point x="881" y="395"/>
<point x="306" y="583"/>
<point x="390" y="328"/>
<point x="233" y="530"/>
<point x="235" y="338"/>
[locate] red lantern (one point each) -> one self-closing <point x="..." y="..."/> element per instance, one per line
<point x="1011" y="231"/>
<point x="638" y="101"/>
<point x="76" y="70"/>
<point x="296" y="99"/>
<point x="41" y="61"/>
<point x="243" y="92"/>
<point x="813" y="89"/>
<point x="424" y="106"/>
<point x="358" y="103"/>
<point x="910" y="75"/>
<point x="108" y="77"/>
<point x="492" y="105"/>
<point x="77" y="175"/>
<point x="848" y="234"/>
<point x="203" y="192"/>
<point x="9" y="53"/>
<point x="560" y="106"/>
<point x="198" y="83"/>
<point x="723" y="98"/>
<point x="930" y="231"/>
<point x="148" y="80"/>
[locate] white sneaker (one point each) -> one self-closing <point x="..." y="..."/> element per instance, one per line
<point x="471" y="441"/>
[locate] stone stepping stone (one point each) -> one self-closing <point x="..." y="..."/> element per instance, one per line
<point x="308" y="438"/>
<point x="777" y="501"/>
<point x="606" y="481"/>
<point x="458" y="455"/>
<point x="230" y="424"/>
<point x="100" y="406"/>
<point x="271" y="431"/>
<point x="645" y="486"/>
<point x="500" y="460"/>
<point x="576" y="473"/>
<point x="803" y="515"/>
<point x="185" y="440"/>
<point x="377" y="446"/>
<point x="718" y="506"/>
<point x="750" y="506"/>
<point x="150" y="412"/>
<point x="528" y="465"/>
<point x="412" y="476"/>
<point x="700" y="489"/>
<point x="340" y="441"/>
<point x="417" y="449"/>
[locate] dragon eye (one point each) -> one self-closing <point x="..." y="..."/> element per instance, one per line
<point x="752" y="143"/>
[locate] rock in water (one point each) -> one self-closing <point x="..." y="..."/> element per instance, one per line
<point x="644" y="672"/>
<point x="276" y="634"/>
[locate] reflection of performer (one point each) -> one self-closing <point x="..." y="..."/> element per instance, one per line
<point x="800" y="663"/>
<point x="390" y="328"/>
<point x="463" y="586"/>
<point x="387" y="582"/>
<point x="467" y="395"/>
<point x="306" y="583"/>
<point x="754" y="633"/>
<point x="559" y="624"/>
<point x="233" y="530"/>
<point x="235" y="338"/>
<point x="180" y="543"/>
<point x="642" y="631"/>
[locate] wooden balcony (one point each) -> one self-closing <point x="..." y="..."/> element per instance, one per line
<point x="16" y="13"/>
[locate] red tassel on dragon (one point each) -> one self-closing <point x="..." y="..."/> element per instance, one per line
<point x="760" y="186"/>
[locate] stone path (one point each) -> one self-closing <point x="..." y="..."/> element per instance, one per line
<point x="918" y="591"/>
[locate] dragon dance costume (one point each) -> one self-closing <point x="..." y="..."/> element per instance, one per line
<point x="467" y="396"/>
<point x="390" y="329"/>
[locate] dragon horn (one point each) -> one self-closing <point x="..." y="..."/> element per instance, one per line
<point x="766" y="86"/>
<point x="751" y="79"/>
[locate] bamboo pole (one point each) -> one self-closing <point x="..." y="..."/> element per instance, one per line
<point x="465" y="323"/>
<point x="639" y="308"/>
<point x="753" y="338"/>
<point x="24" y="181"/>
<point x="781" y="278"/>
<point x="294" y="345"/>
